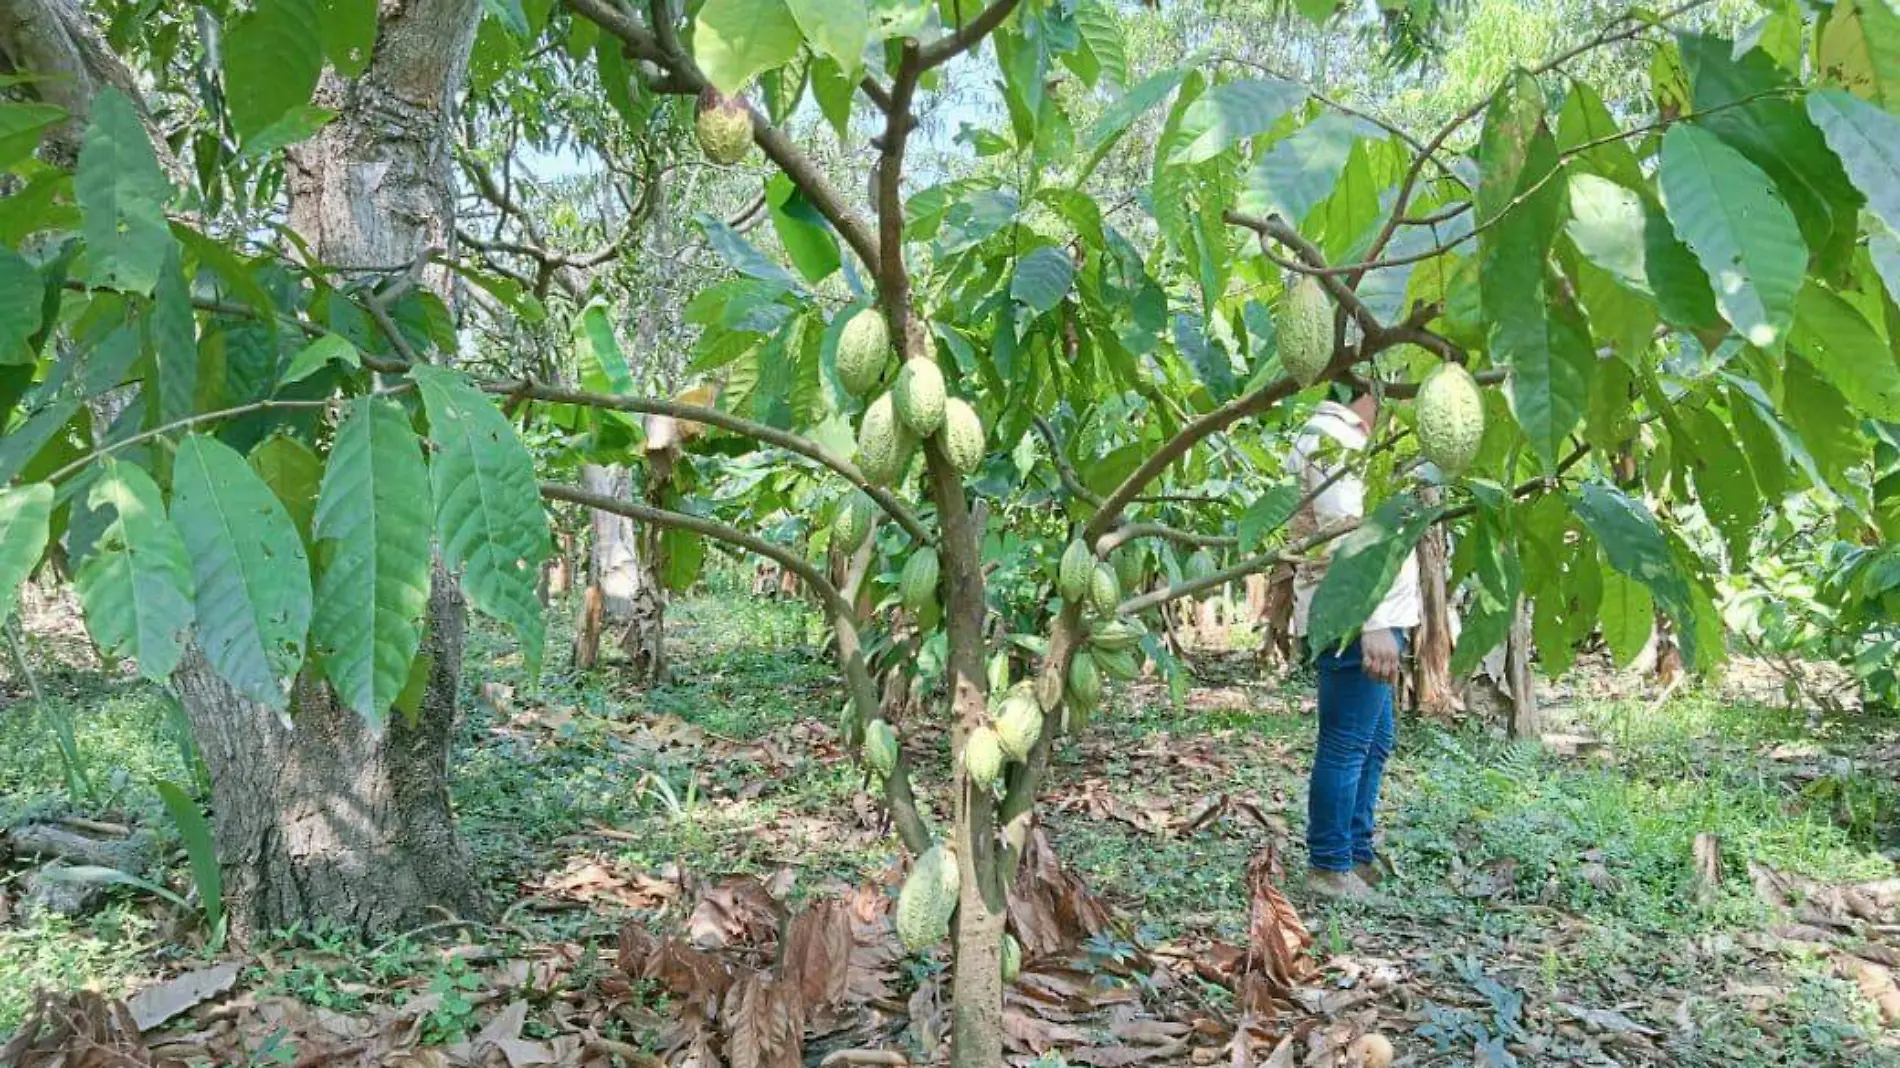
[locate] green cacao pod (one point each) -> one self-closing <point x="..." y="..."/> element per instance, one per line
<point x="864" y="347"/>
<point x="853" y="522"/>
<point x="1115" y="636"/>
<point x="1073" y="574"/>
<point x="1200" y="565"/>
<point x="1085" y="682"/>
<point x="1117" y="663"/>
<point x="962" y="435"/>
<point x="983" y="757"/>
<point x="880" y="748"/>
<point x="884" y="445"/>
<point x="1012" y="958"/>
<point x="1105" y="593"/>
<point x="1450" y="418"/>
<point x="1131" y="567"/>
<point x="920" y="396"/>
<point x="1306" y="330"/>
<point x="724" y="127"/>
<point x="1018" y="725"/>
<point x="928" y="900"/>
<point x="917" y="585"/>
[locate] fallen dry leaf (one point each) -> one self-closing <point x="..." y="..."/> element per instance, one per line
<point x="154" y="1005"/>
<point x="817" y="953"/>
<point x="765" y="1023"/>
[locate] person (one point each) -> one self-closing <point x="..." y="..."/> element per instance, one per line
<point x="1356" y="722"/>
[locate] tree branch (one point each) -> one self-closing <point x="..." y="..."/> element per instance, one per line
<point x="945" y="49"/>
<point x="694" y="413"/>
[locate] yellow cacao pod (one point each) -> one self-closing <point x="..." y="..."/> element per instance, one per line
<point x="920" y="396"/>
<point x="928" y="900"/>
<point x="864" y="348"/>
<point x="962" y="435"/>
<point x="1019" y="724"/>
<point x="884" y="445"/>
<point x="1105" y="593"/>
<point x="724" y="127"/>
<point x="853" y="522"/>
<point x="983" y="757"/>
<point x="1012" y="958"/>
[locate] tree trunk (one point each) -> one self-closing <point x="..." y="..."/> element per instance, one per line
<point x="1526" y="723"/>
<point x="324" y="819"/>
<point x="55" y="41"/>
<point x="1437" y="690"/>
<point x="615" y="558"/>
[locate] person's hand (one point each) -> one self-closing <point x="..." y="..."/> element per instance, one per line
<point x="1379" y="655"/>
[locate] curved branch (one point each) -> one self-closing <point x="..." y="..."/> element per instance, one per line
<point x="694" y="413"/>
<point x="948" y="48"/>
<point x="910" y="825"/>
<point x="1128" y="532"/>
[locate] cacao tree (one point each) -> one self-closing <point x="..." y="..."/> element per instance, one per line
<point x="1036" y="400"/>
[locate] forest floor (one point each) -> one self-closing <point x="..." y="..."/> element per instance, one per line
<point x="1546" y="907"/>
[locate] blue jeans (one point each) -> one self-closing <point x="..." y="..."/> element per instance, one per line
<point x="1355" y="736"/>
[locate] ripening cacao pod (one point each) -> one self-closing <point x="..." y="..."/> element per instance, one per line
<point x="1131" y="567"/>
<point x="962" y="435"/>
<point x="917" y="585"/>
<point x="983" y="757"/>
<point x="1115" y="636"/>
<point x="880" y="748"/>
<point x="1075" y="571"/>
<point x="1306" y="330"/>
<point x="1118" y="663"/>
<point x="1105" y="593"/>
<point x="724" y="127"/>
<point x="853" y="522"/>
<point x="884" y="445"/>
<point x="1012" y="958"/>
<point x="920" y="396"/>
<point x="1450" y="418"/>
<point x="928" y="899"/>
<point x="1019" y="724"/>
<point x="1085" y="682"/>
<point x="864" y="347"/>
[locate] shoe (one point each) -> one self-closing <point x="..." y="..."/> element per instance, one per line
<point x="1371" y="872"/>
<point x="1337" y="885"/>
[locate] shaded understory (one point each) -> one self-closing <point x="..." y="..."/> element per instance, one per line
<point x="1546" y="900"/>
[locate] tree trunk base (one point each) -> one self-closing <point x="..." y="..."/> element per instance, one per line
<point x="323" y="820"/>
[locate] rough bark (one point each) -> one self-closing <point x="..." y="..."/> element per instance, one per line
<point x="56" y="41"/>
<point x="614" y="560"/>
<point x="323" y="819"/>
<point x="1526" y="721"/>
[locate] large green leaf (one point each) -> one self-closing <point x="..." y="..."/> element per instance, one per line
<point x="1723" y="483"/>
<point x="1496" y="582"/>
<point x="253" y="596"/>
<point x="734" y="40"/>
<point x="488" y="515"/>
<point x="1868" y="141"/>
<point x="1848" y="351"/>
<point x="1606" y="224"/>
<point x="1101" y="31"/>
<point x="171" y="335"/>
<point x="25" y="515"/>
<point x="122" y="194"/>
<point x="1635" y="546"/>
<point x="273" y="55"/>
<point x="137" y="585"/>
<point x="1628" y="614"/>
<point x="603" y="358"/>
<point x="836" y="28"/>
<point x="293" y="474"/>
<point x="21" y="127"/>
<point x="1127" y="107"/>
<point x="1231" y="113"/>
<point x="1514" y="141"/>
<point x="1817" y="412"/>
<point x="372" y="532"/>
<point x="1585" y="120"/>
<point x="22" y="303"/>
<point x="807" y="237"/>
<point x="1363" y="567"/>
<point x="1043" y="278"/>
<point x="1300" y="170"/>
<point x="1725" y="209"/>
<point x="201" y="850"/>
<point x="82" y="373"/>
<point x="349" y="34"/>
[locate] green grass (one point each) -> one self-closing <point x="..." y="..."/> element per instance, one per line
<point x="763" y="787"/>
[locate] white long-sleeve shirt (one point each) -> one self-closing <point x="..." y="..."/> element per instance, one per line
<point x="1344" y="499"/>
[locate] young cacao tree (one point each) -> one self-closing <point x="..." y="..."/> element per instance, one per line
<point x="1047" y="390"/>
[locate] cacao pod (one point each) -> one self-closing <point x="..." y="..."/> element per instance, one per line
<point x="884" y="445"/>
<point x="1200" y="565"/>
<point x="1119" y="663"/>
<point x="724" y="127"/>
<point x="1085" y="682"/>
<point x="854" y="522"/>
<point x="1131" y="567"/>
<point x="1012" y="958"/>
<point x="962" y="435"/>
<point x="1450" y="418"/>
<point x="1115" y="636"/>
<point x="880" y="748"/>
<point x="1019" y="724"/>
<point x="917" y="585"/>
<point x="1075" y="571"/>
<point x="864" y="347"/>
<point x="928" y="899"/>
<point x="1105" y="594"/>
<point x="920" y="396"/>
<point x="983" y="757"/>
<point x="1306" y="330"/>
